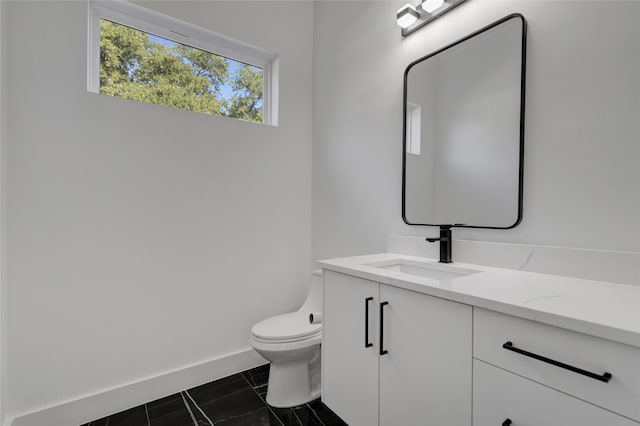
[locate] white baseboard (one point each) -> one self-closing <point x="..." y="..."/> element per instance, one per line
<point x="101" y="404"/>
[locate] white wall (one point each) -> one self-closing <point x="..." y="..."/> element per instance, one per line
<point x="142" y="238"/>
<point x="3" y="299"/>
<point x="582" y="157"/>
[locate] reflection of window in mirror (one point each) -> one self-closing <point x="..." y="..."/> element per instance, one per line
<point x="414" y="113"/>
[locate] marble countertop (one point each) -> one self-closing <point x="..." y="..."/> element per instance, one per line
<point x="610" y="311"/>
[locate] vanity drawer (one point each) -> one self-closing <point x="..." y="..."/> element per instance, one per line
<point x="620" y="394"/>
<point x="500" y="396"/>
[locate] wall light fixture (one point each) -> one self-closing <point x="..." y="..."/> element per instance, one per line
<point x="410" y="18"/>
<point x="407" y="15"/>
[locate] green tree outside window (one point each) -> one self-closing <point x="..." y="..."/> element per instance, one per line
<point x="139" y="66"/>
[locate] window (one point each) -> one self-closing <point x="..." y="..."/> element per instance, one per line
<point x="414" y="119"/>
<point x="139" y="54"/>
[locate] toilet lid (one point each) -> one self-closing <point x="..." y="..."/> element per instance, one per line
<point x="294" y="325"/>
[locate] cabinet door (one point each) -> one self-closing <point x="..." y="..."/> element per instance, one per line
<point x="425" y="378"/>
<point x="499" y="395"/>
<point x="349" y="369"/>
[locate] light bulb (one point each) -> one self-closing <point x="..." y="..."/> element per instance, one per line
<point x="406" y="15"/>
<point x="431" y="5"/>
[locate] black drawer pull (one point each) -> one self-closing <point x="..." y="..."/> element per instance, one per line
<point x="507" y="422"/>
<point x="367" y="343"/>
<point x="603" y="378"/>
<point x="382" y="350"/>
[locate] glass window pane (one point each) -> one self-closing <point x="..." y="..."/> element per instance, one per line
<point x="144" y="67"/>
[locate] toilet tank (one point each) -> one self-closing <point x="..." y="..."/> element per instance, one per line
<point x="313" y="302"/>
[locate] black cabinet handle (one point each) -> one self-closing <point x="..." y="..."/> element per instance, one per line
<point x="507" y="422"/>
<point x="367" y="343"/>
<point x="382" y="350"/>
<point x="601" y="377"/>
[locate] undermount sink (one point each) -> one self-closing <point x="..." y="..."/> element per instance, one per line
<point x="435" y="271"/>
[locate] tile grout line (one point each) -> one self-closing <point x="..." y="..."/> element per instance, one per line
<point x="265" y="402"/>
<point x="186" y="404"/>
<point x="296" y="416"/>
<point x="255" y="377"/>
<point x="198" y="407"/>
<point x="147" y="413"/>
<point x="316" y="414"/>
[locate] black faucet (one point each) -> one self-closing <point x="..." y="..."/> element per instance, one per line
<point x="445" y="243"/>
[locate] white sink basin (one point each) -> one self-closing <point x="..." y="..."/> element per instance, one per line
<point x="435" y="271"/>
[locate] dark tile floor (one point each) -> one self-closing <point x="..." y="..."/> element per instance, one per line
<point x="235" y="400"/>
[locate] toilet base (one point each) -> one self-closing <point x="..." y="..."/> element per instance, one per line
<point x="294" y="383"/>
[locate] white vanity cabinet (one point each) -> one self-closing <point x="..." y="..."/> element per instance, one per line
<point x="392" y="356"/>
<point x="536" y="374"/>
<point x="471" y="345"/>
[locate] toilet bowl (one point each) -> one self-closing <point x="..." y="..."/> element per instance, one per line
<point x="292" y="345"/>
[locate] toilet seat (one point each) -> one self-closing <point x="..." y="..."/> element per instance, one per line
<point x="290" y="327"/>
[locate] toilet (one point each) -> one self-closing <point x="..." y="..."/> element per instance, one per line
<point x="292" y="345"/>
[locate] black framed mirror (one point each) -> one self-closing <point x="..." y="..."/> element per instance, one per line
<point x="463" y="132"/>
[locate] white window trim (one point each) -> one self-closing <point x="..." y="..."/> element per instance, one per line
<point x="152" y="22"/>
<point x="414" y="118"/>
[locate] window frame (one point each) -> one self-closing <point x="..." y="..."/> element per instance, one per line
<point x="414" y="128"/>
<point x="155" y="23"/>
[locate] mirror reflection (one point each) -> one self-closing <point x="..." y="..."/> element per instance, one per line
<point x="463" y="131"/>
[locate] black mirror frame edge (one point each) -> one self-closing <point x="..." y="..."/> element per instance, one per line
<point x="522" y="105"/>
